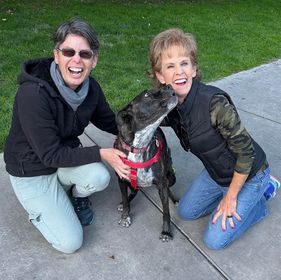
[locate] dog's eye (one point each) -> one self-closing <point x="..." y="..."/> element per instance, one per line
<point x="147" y="94"/>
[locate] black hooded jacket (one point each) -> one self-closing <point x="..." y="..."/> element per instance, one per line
<point x="44" y="131"/>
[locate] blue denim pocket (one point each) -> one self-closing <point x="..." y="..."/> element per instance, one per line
<point x="252" y="191"/>
<point x="259" y="181"/>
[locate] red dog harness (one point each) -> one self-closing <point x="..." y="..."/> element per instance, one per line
<point x="135" y="165"/>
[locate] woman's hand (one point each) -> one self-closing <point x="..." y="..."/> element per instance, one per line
<point x="112" y="156"/>
<point x="228" y="205"/>
<point x="227" y="209"/>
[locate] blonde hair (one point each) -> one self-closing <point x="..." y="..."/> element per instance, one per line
<point x="167" y="39"/>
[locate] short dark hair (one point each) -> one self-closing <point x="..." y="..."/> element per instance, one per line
<point x="79" y="27"/>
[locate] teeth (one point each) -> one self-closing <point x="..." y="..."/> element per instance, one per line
<point x="76" y="70"/>
<point x="180" y="81"/>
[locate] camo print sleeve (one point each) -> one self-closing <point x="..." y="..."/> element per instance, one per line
<point x="225" y="118"/>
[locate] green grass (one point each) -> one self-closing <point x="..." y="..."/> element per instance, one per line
<point x="231" y="35"/>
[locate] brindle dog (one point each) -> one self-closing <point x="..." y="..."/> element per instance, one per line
<point x="143" y="141"/>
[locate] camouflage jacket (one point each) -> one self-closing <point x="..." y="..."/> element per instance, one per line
<point x="208" y="125"/>
<point x="226" y="120"/>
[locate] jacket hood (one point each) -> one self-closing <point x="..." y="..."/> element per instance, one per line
<point x="37" y="71"/>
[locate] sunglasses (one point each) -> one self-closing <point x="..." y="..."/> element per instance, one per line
<point x="85" y="54"/>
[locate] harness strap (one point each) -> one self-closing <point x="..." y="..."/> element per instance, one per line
<point x="135" y="165"/>
<point x="129" y="148"/>
<point x="132" y="149"/>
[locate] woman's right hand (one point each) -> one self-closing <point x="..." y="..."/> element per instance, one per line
<point x="112" y="156"/>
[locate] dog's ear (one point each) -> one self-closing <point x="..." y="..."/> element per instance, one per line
<point x="125" y="124"/>
<point x="121" y="116"/>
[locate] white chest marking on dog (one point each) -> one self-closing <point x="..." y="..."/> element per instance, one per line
<point x="142" y="139"/>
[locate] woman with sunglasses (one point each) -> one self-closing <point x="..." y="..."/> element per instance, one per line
<point x="51" y="173"/>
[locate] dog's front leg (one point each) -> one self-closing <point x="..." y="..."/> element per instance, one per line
<point x="166" y="233"/>
<point x="125" y="220"/>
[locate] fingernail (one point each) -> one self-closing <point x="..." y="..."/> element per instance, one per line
<point x="213" y="222"/>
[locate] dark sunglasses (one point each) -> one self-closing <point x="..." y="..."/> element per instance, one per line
<point x="85" y="54"/>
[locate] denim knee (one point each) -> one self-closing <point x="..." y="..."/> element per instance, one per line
<point x="87" y="178"/>
<point x="98" y="183"/>
<point x="94" y="182"/>
<point x="70" y="244"/>
<point x="102" y="181"/>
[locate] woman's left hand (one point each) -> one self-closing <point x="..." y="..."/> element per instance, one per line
<point x="227" y="209"/>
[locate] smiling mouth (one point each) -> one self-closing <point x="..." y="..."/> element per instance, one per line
<point x="180" y="82"/>
<point x="75" y="70"/>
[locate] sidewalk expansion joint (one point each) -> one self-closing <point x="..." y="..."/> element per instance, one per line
<point x="89" y="137"/>
<point x="192" y="242"/>
<point x="254" y="114"/>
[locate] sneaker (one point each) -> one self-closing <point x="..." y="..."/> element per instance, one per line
<point x="273" y="185"/>
<point x="83" y="210"/>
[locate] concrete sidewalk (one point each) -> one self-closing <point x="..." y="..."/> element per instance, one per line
<point x="113" y="252"/>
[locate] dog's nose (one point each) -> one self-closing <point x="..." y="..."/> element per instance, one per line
<point x="168" y="87"/>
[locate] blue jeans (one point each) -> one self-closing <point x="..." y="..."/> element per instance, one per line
<point x="204" y="195"/>
<point x="48" y="205"/>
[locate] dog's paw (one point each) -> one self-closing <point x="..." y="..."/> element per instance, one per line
<point x="165" y="236"/>
<point x="125" y="222"/>
<point x="120" y="207"/>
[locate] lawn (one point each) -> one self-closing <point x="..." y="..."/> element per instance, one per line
<point x="231" y="35"/>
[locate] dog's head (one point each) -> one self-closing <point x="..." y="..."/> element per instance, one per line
<point x="147" y="108"/>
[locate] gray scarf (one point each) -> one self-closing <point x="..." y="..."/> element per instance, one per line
<point x="73" y="98"/>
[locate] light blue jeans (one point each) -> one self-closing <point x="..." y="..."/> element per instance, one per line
<point x="48" y="205"/>
<point x="204" y="195"/>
